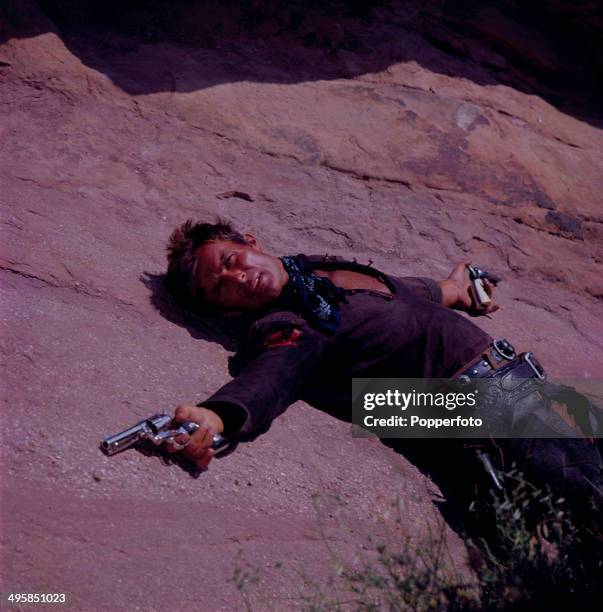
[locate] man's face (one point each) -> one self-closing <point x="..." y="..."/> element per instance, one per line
<point x="239" y="276"/>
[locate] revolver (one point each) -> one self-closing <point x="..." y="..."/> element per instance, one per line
<point x="478" y="290"/>
<point x="158" y="430"/>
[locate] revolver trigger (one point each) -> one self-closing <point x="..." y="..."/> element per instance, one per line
<point x="176" y="445"/>
<point x="188" y="428"/>
<point x="168" y="435"/>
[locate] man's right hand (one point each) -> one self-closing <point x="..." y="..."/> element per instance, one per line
<point x="197" y="445"/>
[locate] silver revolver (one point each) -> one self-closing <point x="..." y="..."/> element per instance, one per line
<point x="158" y="430"/>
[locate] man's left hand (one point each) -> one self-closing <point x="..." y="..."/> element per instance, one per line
<point x="456" y="292"/>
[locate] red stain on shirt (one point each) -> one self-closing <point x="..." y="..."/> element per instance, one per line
<point x="286" y="337"/>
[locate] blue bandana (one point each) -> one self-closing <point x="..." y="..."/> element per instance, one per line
<point x="316" y="297"/>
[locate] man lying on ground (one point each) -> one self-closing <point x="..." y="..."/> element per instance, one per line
<point x="317" y="322"/>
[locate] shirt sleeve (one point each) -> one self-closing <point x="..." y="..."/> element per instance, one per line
<point x="424" y="287"/>
<point x="280" y="353"/>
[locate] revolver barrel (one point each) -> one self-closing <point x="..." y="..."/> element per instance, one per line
<point x="121" y="441"/>
<point x="128" y="437"/>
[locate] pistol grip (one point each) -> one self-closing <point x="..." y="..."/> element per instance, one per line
<point x="480" y="295"/>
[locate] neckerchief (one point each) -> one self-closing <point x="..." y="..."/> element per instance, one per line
<point x="316" y="297"/>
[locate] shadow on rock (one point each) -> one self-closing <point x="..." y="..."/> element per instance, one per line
<point x="454" y="468"/>
<point x="169" y="459"/>
<point x="552" y="50"/>
<point x="226" y="332"/>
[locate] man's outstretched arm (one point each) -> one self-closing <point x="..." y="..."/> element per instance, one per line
<point x="282" y="356"/>
<point x="452" y="292"/>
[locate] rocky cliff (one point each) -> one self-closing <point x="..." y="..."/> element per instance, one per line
<point x="413" y="134"/>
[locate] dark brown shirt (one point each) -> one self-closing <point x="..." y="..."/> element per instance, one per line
<point x="407" y="333"/>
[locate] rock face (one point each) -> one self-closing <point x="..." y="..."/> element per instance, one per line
<point x="412" y="134"/>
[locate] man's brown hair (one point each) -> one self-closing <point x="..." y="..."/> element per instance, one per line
<point x="182" y="255"/>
